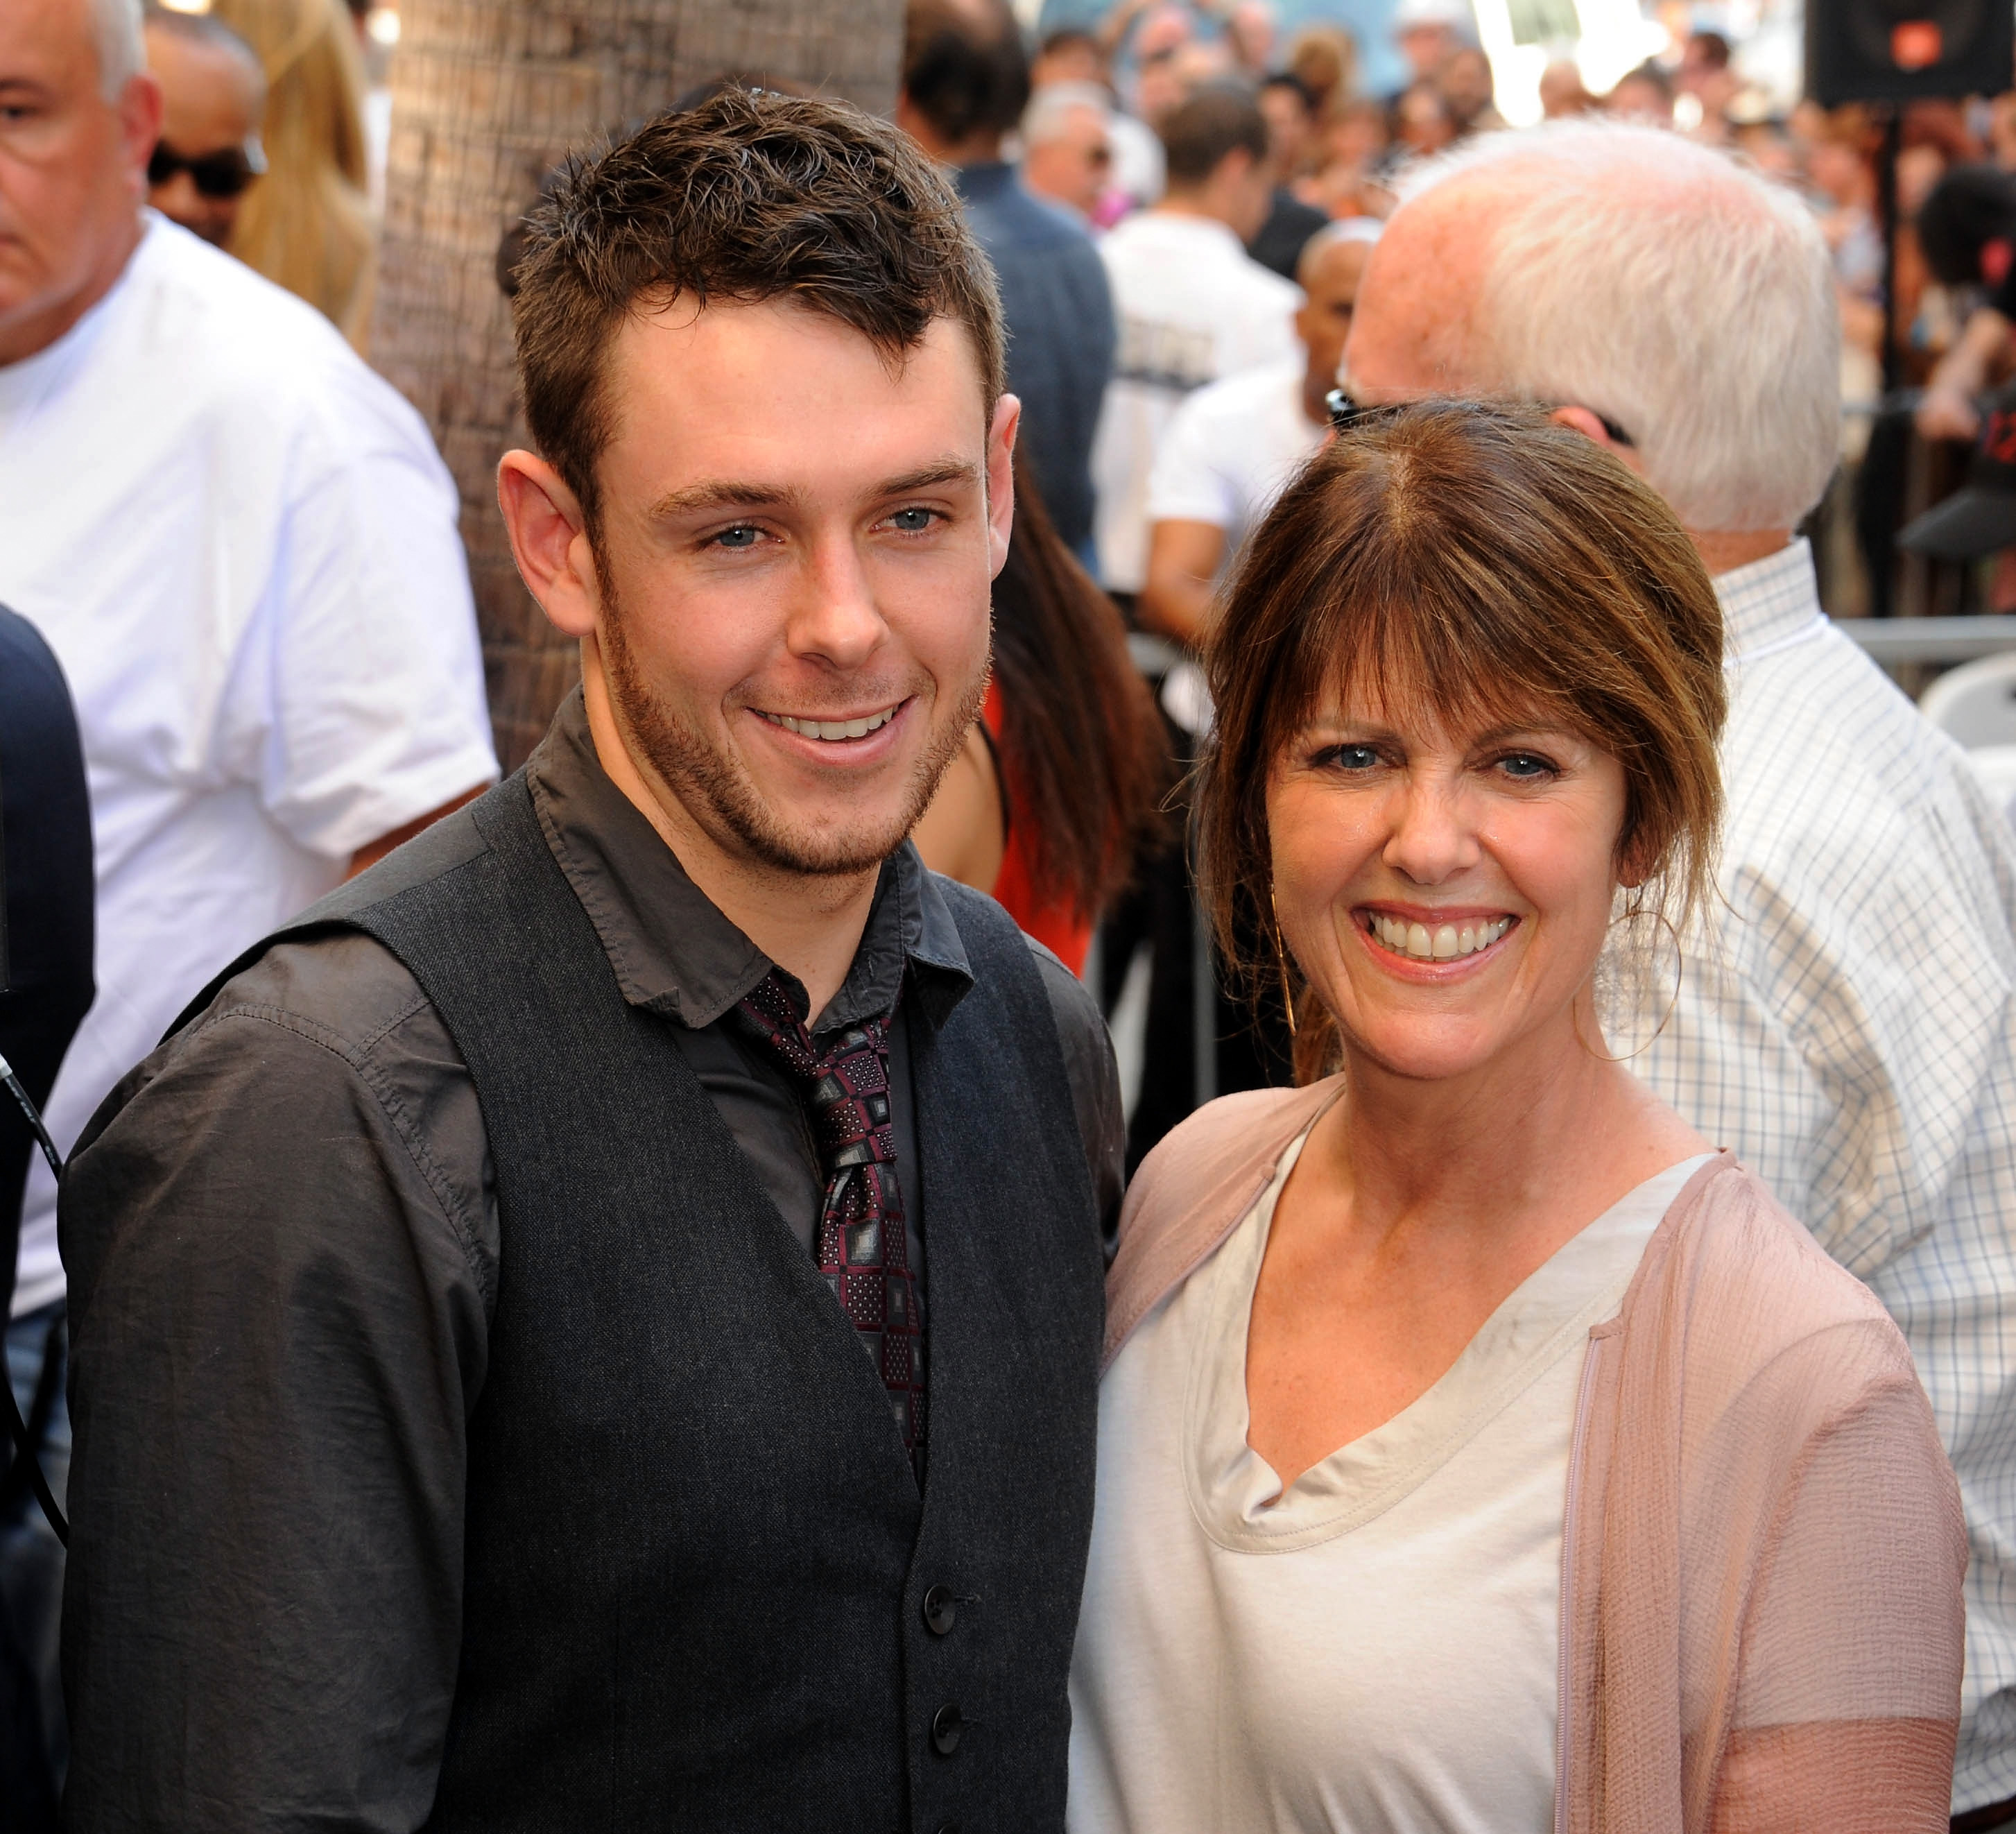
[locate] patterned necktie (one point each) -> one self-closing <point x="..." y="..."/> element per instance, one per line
<point x="861" y="1249"/>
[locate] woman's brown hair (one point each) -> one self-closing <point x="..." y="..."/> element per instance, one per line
<point x="1467" y="563"/>
<point x="1082" y="745"/>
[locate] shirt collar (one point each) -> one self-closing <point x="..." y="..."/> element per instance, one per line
<point x="1179" y="228"/>
<point x="983" y="181"/>
<point x="27" y="383"/>
<point x="1769" y="603"/>
<point x="672" y="949"/>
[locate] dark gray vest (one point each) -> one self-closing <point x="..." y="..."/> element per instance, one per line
<point x="701" y="1590"/>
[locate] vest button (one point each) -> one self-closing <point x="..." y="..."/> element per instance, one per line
<point x="946" y="1726"/>
<point x="941" y="1609"/>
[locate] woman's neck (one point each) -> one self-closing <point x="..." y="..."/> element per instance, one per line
<point x="1549" y="1125"/>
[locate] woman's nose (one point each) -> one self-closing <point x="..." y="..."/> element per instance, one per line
<point x="1432" y="834"/>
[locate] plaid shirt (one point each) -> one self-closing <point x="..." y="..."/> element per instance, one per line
<point x="1846" y="1024"/>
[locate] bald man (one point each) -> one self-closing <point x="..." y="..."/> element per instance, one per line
<point x="241" y="545"/>
<point x="213" y="99"/>
<point x="1234" y="443"/>
<point x="1848" y="1024"/>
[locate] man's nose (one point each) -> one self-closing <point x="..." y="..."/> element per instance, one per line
<point x="178" y="200"/>
<point x="836" y="618"/>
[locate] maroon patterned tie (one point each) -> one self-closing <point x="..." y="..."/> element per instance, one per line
<point x="861" y="1249"/>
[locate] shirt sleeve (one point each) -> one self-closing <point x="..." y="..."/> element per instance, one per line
<point x="364" y="674"/>
<point x="1189" y="483"/>
<point x="278" y="1327"/>
<point x="1847" y="1698"/>
<point x="1844" y="1022"/>
<point x="1094" y="1076"/>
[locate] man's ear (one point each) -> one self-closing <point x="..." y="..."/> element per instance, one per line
<point x="139" y="126"/>
<point x="549" y="541"/>
<point x="1001" y="481"/>
<point x="1589" y="424"/>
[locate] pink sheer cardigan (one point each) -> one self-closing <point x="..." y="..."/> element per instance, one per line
<point x="1761" y="1622"/>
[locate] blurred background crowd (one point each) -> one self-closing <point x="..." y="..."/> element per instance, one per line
<point x="279" y="111"/>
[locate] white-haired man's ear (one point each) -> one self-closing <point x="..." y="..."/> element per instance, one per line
<point x="1587" y="422"/>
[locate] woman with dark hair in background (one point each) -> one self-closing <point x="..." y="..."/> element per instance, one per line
<point x="1060" y="781"/>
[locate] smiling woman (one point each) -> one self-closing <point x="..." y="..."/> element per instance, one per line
<point x="1591" y="1494"/>
<point x="1479" y="575"/>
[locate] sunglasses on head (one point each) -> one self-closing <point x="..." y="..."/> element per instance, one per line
<point x="1346" y="412"/>
<point x="224" y="174"/>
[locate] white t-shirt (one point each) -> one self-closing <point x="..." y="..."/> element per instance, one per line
<point x="1378" y="1651"/>
<point x="1192" y="307"/>
<point x="1230" y="451"/>
<point x="242" y="545"/>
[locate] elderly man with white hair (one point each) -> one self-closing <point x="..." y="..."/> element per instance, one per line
<point x="1068" y="145"/>
<point x="1848" y="1024"/>
<point x="241" y="545"/>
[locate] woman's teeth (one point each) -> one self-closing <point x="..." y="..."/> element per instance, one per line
<point x="1445" y="943"/>
<point x="832" y="729"/>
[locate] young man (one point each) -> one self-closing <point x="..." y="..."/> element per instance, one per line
<point x="966" y="81"/>
<point x="474" y="1425"/>
<point x="1193" y="306"/>
<point x="1235" y="444"/>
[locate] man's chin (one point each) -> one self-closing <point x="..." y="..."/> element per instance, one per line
<point x="842" y="849"/>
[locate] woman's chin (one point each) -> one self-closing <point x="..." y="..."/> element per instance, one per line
<point x="1425" y="1048"/>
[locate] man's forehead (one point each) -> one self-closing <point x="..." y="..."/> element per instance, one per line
<point x="795" y="392"/>
<point x="1338" y="269"/>
<point x="1414" y="327"/>
<point x="45" y="41"/>
<point x="781" y="325"/>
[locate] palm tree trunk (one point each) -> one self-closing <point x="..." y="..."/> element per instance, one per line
<point x="486" y="96"/>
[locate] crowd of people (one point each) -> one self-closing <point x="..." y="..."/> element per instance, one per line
<point x="1148" y="506"/>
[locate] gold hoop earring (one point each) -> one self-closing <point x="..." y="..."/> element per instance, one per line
<point x="1633" y="913"/>
<point x="1281" y="962"/>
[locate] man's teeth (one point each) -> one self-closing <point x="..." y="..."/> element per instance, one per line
<point x="1441" y="944"/>
<point x="832" y="729"/>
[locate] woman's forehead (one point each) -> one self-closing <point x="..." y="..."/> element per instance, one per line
<point x="1414" y="710"/>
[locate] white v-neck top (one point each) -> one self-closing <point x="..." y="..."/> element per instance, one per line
<point x="1378" y="1650"/>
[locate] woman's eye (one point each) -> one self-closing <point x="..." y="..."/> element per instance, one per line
<point x="742" y="536"/>
<point x="1353" y="757"/>
<point x="1527" y="767"/>
<point x="914" y="521"/>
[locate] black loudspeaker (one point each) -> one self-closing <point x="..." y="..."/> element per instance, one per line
<point x="1899" y="50"/>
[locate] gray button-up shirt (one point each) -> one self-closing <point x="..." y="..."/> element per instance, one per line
<point x="284" y="1252"/>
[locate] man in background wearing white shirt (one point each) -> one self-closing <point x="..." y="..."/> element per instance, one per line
<point x="1234" y="444"/>
<point x="241" y="545"/>
<point x="1848" y="1024"/>
<point x="1193" y="306"/>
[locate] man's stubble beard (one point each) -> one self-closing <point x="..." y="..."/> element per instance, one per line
<point x="712" y="784"/>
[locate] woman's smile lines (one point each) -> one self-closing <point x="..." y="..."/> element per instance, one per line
<point x="831" y="728"/>
<point x="1441" y="942"/>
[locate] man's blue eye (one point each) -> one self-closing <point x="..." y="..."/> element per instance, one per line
<point x="741" y="535"/>
<point x="912" y="521"/>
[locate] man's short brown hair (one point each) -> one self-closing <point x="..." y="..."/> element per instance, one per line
<point x="747" y="197"/>
<point x="1218" y="120"/>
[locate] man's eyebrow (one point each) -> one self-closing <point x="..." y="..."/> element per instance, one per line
<point x="721" y="493"/>
<point x="724" y="493"/>
<point x="925" y="477"/>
